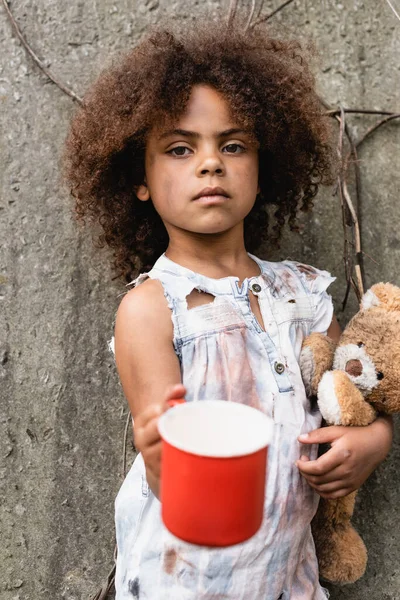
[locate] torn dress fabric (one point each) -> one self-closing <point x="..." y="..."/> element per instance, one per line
<point x="225" y="354"/>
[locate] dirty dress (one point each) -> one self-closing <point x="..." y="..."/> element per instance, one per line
<point x="224" y="353"/>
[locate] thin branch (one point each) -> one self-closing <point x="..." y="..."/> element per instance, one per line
<point x="393" y="9"/>
<point x="342" y="123"/>
<point x="249" y="20"/>
<point x="362" y="111"/>
<point x="348" y="209"/>
<point x="128" y="420"/>
<point x="357" y="239"/>
<point x="260" y="9"/>
<point x="36" y="59"/>
<point x="375" y="127"/>
<point x="107" y="587"/>
<point x="272" y="14"/>
<point x="365" y="254"/>
<point x="356" y="164"/>
<point x="344" y="196"/>
<point x="346" y="255"/>
<point x="109" y="583"/>
<point x="232" y="12"/>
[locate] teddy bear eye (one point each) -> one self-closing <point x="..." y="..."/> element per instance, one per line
<point x="360" y="344"/>
<point x="379" y="375"/>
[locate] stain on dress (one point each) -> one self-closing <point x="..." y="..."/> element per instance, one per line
<point x="308" y="271"/>
<point x="134" y="588"/>
<point x="170" y="558"/>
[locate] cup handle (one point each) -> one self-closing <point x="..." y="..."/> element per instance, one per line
<point x="174" y="402"/>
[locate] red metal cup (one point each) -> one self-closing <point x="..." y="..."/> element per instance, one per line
<point x="214" y="459"/>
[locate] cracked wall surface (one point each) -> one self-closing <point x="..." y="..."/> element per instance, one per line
<point x="62" y="412"/>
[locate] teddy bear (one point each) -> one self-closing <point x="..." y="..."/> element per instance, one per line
<point x="364" y="381"/>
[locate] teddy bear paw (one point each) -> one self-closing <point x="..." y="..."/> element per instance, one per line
<point x="316" y="357"/>
<point x="327" y="399"/>
<point x="307" y="367"/>
<point x="341" y="402"/>
<point x="346" y="557"/>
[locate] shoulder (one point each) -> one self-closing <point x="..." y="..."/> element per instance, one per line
<point x="315" y="280"/>
<point x="293" y="274"/>
<point x="144" y="307"/>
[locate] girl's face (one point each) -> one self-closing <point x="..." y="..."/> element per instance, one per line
<point x="202" y="174"/>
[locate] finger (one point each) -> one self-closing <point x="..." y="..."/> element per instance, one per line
<point x="176" y="391"/>
<point x="335" y="495"/>
<point x="340" y="473"/>
<point x="329" y="488"/>
<point x="148" y="435"/>
<point x="325" y="463"/>
<point x="324" y="435"/>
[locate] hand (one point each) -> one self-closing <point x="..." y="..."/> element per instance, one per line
<point x="355" y="452"/>
<point x="148" y="439"/>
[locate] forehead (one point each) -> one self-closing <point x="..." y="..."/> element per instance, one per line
<point x="207" y="106"/>
<point x="206" y="112"/>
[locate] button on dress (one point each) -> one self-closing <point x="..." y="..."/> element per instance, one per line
<point x="225" y="354"/>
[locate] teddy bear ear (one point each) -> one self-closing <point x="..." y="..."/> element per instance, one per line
<point x="384" y="295"/>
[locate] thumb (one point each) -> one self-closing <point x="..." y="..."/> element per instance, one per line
<point x="175" y="395"/>
<point x="324" y="435"/>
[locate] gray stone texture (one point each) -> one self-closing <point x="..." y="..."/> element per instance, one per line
<point x="62" y="412"/>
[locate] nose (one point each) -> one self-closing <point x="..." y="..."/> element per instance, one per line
<point x="354" y="367"/>
<point x="210" y="164"/>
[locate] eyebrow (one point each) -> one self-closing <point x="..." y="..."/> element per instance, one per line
<point x="194" y="134"/>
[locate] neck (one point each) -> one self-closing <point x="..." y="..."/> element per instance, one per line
<point x="213" y="255"/>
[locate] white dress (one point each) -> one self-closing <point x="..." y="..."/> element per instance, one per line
<point x="224" y="353"/>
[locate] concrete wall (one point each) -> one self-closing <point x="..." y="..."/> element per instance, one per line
<point x="62" y="412"/>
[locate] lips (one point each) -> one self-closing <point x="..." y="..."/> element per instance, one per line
<point x="211" y="191"/>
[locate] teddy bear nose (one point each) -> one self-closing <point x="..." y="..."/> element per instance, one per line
<point x="354" y="367"/>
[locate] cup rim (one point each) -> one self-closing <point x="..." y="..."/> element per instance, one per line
<point x="263" y="439"/>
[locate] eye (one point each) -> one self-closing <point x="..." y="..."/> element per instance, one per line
<point x="380" y="375"/>
<point x="179" y="151"/>
<point x="360" y="344"/>
<point x="234" y="148"/>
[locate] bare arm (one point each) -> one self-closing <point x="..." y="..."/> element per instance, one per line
<point x="148" y="367"/>
<point x="334" y="330"/>
<point x="355" y="451"/>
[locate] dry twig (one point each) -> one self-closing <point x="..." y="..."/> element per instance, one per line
<point x="128" y="420"/>
<point x="249" y="20"/>
<point x="110" y="580"/>
<point x="271" y="14"/>
<point x="339" y="115"/>
<point x="232" y="12"/>
<point x="107" y="587"/>
<point x="361" y="111"/>
<point x="346" y="255"/>
<point x="391" y="117"/>
<point x="393" y="9"/>
<point x="36" y="59"/>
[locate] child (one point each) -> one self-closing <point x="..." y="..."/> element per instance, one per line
<point x="177" y="151"/>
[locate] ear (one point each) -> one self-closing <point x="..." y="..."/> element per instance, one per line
<point x="384" y="295"/>
<point x="142" y="192"/>
<point x="369" y="300"/>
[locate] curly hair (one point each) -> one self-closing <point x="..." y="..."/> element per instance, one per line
<point x="270" y="89"/>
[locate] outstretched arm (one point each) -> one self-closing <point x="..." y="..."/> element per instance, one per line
<point x="148" y="368"/>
